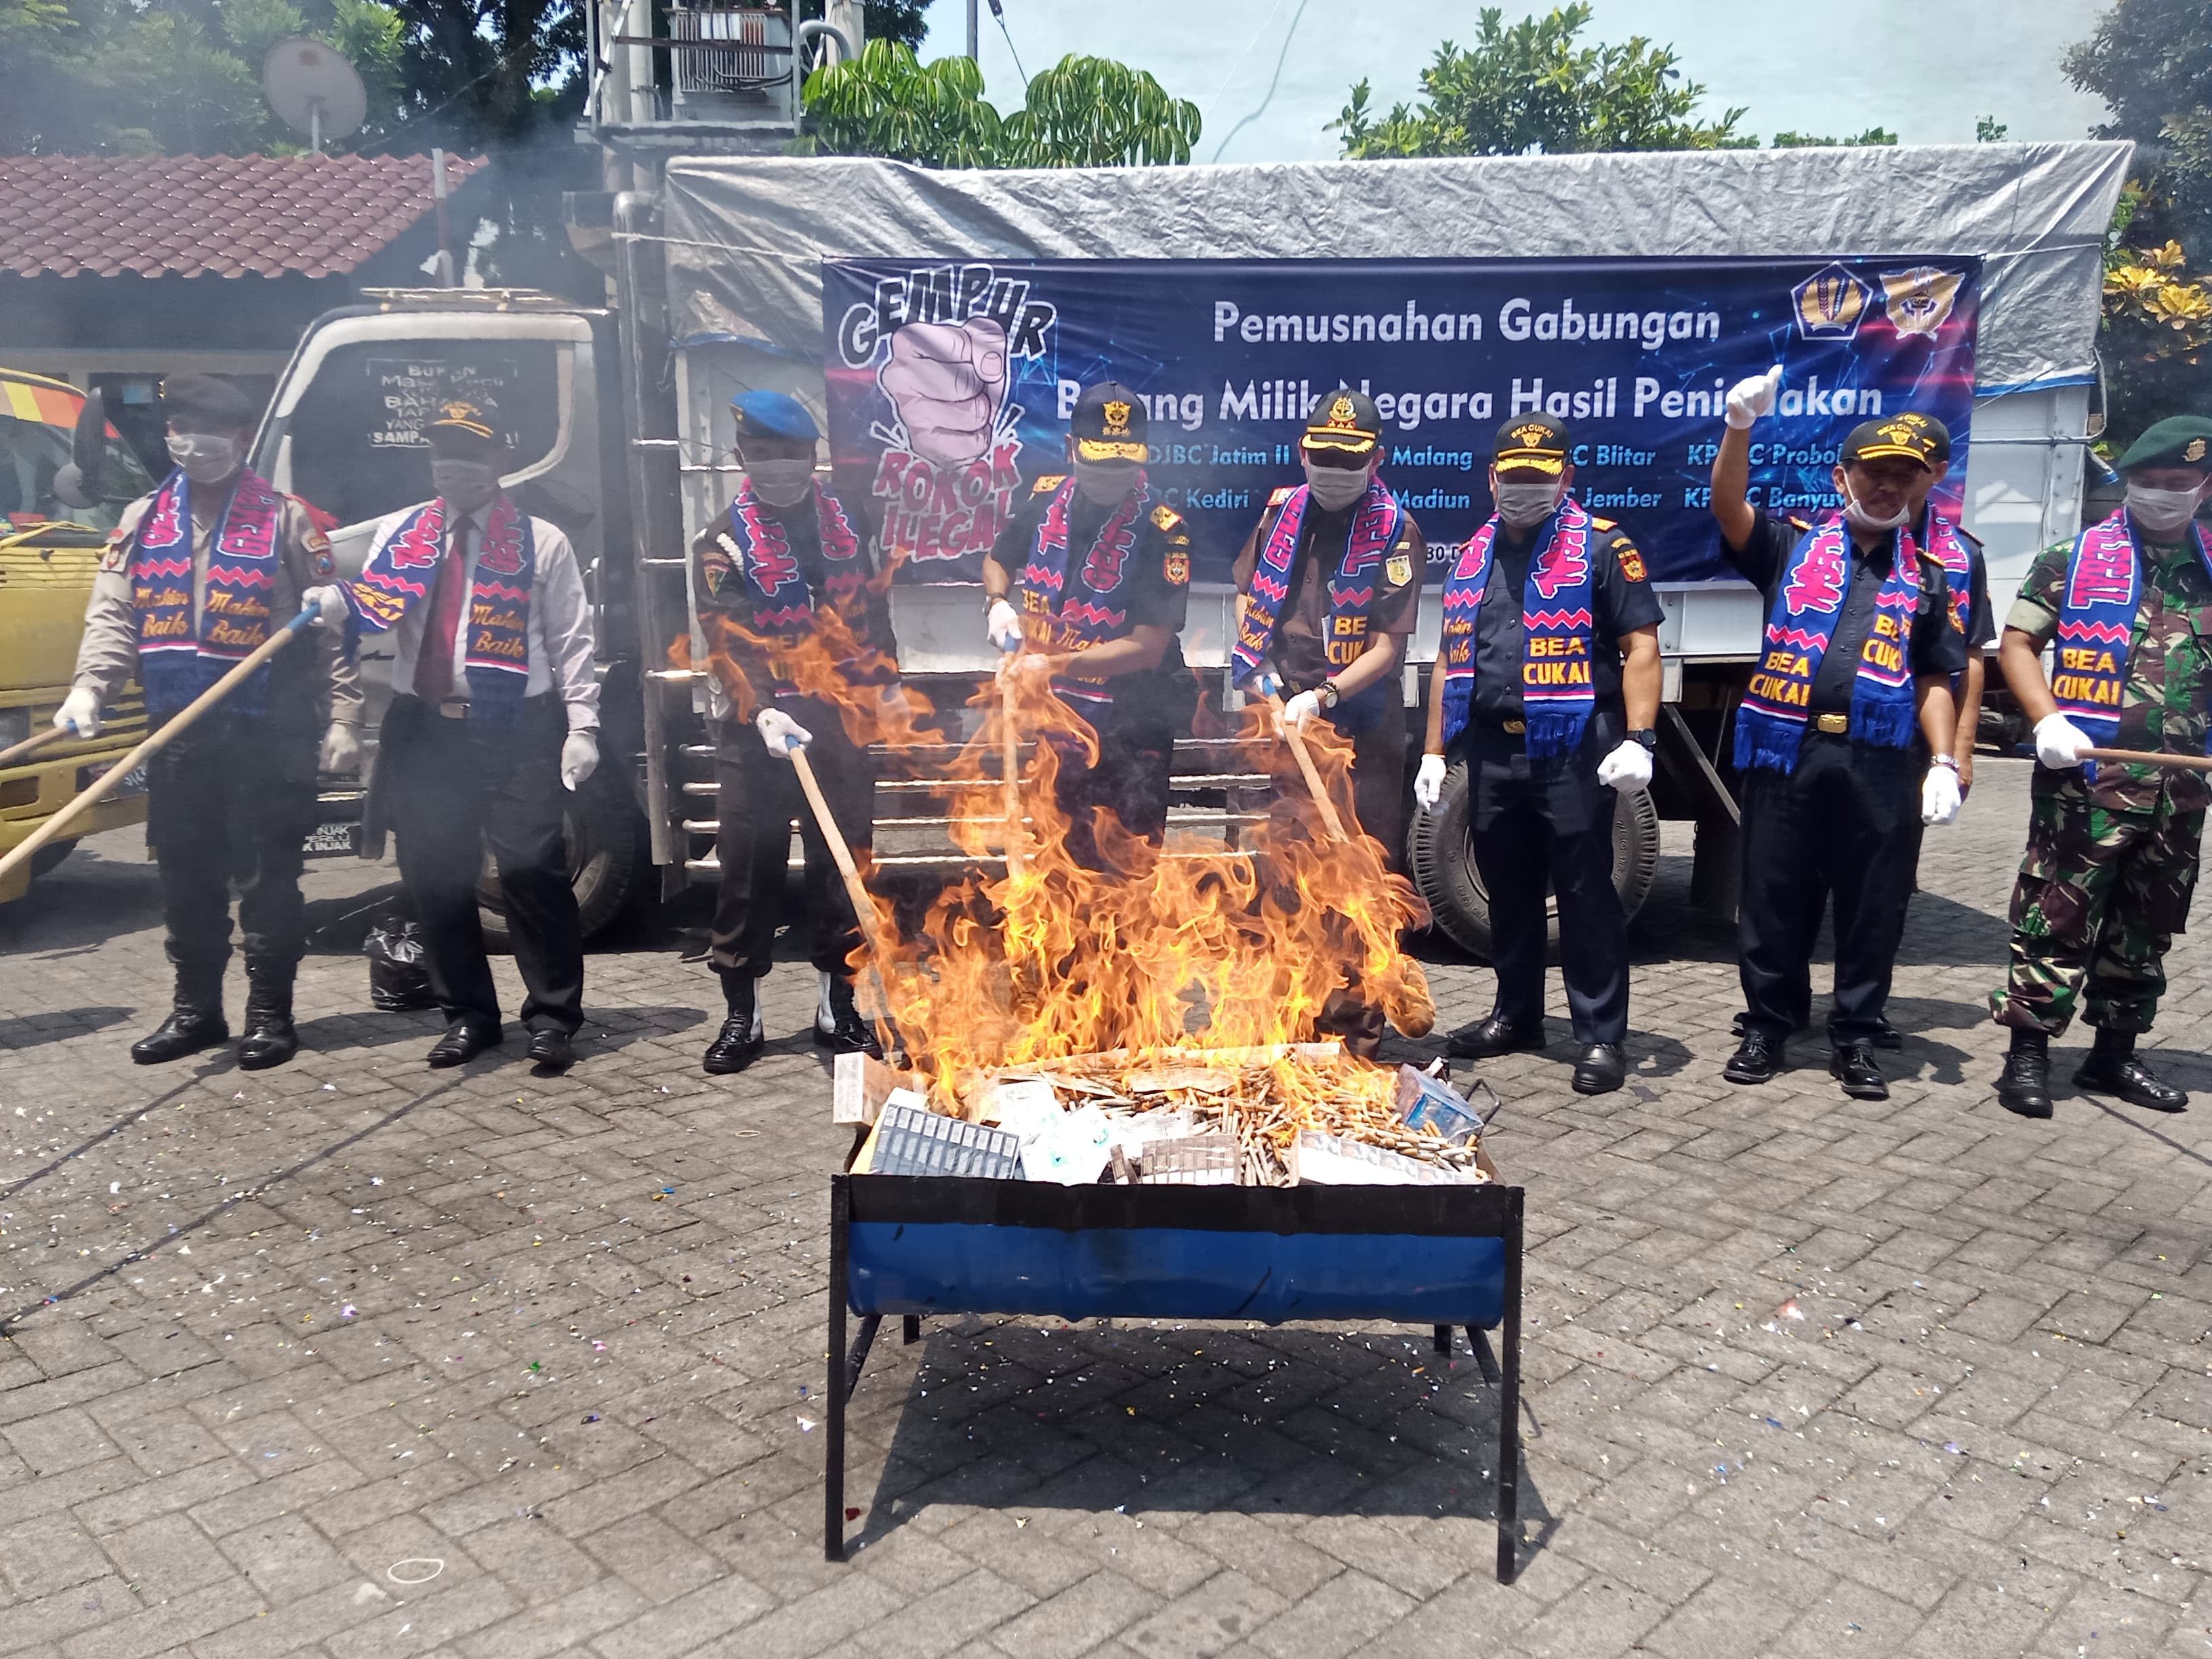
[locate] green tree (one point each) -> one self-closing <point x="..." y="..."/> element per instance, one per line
<point x="1530" y="88"/>
<point x="1082" y="112"/>
<point x="1989" y="130"/>
<point x="1873" y="137"/>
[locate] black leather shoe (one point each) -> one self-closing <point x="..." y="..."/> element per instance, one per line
<point x="270" y="1039"/>
<point x="845" y="1032"/>
<point x="2126" y="1076"/>
<point x="1887" y="1037"/>
<point x="463" y="1041"/>
<point x="1601" y="1069"/>
<point x="1495" y="1035"/>
<point x="186" y="1031"/>
<point x="1757" y="1059"/>
<point x="2024" y="1085"/>
<point x="741" y="1039"/>
<point x="551" y="1050"/>
<point x="1852" y="1065"/>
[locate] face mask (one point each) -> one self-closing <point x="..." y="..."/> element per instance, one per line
<point x="781" y="483"/>
<point x="1859" y="519"/>
<point x="1335" y="488"/>
<point x="1522" y="504"/>
<point x="1104" y="483"/>
<point x="464" y="486"/>
<point x="2163" y="511"/>
<point x="205" y="456"/>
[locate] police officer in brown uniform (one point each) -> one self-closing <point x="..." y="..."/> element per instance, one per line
<point x="196" y="576"/>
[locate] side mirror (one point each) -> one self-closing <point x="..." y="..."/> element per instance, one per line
<point x="80" y="483"/>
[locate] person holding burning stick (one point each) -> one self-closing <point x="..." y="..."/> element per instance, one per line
<point x="801" y="639"/>
<point x="1085" y="589"/>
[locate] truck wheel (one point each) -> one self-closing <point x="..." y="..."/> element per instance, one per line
<point x="1441" y="864"/>
<point x="609" y="856"/>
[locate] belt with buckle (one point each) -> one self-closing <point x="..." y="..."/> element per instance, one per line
<point x="1513" y="728"/>
<point x="1833" y="725"/>
<point x="455" y="709"/>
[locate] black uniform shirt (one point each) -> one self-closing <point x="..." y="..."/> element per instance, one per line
<point x="1937" y="648"/>
<point x="1981" y="621"/>
<point x="1624" y="603"/>
<point x="1301" y="649"/>
<point x="1151" y="590"/>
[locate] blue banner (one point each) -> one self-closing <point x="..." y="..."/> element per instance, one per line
<point x="950" y="384"/>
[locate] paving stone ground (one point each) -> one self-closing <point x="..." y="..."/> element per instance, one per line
<point x="351" y="1359"/>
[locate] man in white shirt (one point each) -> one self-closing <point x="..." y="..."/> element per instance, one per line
<point x="496" y="711"/>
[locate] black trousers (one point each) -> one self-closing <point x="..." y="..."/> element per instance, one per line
<point x="1539" y="822"/>
<point x="452" y="788"/>
<point x="1841" y="825"/>
<point x="229" y="804"/>
<point x="1136" y="758"/>
<point x="758" y="795"/>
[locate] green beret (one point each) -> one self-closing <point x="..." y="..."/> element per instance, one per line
<point x="2177" y="441"/>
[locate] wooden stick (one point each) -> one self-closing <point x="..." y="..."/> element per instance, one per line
<point x="864" y="910"/>
<point x="2144" y="758"/>
<point x="1329" y="820"/>
<point x="16" y="751"/>
<point x="1009" y="765"/>
<point x="110" y="780"/>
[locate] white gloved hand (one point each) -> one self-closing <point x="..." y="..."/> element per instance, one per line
<point x="326" y="604"/>
<point x="1005" y="626"/>
<point x="579" y="758"/>
<point x="1939" y="796"/>
<point x="80" y="711"/>
<point x="2059" y="742"/>
<point x="1627" y="769"/>
<point x="1749" y="399"/>
<point x="341" y="748"/>
<point x="784" y="736"/>
<point x="1300" y="711"/>
<point x="1267" y="686"/>
<point x="1429" y="782"/>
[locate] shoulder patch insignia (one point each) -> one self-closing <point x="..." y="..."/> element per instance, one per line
<point x="116" y="554"/>
<point x="1166" y="517"/>
<point x="1047" y="483"/>
<point x="1632" y="562"/>
<point x="1176" y="566"/>
<point x="1605" y="524"/>
<point x="1281" y="495"/>
<point x="1399" y="569"/>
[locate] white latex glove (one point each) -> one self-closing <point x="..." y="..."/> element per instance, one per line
<point x="579" y="758"/>
<point x="1749" y="399"/>
<point x="1939" y="796"/>
<point x="1005" y="626"/>
<point x="2059" y="742"/>
<point x="327" y="604"/>
<point x="1267" y="684"/>
<point x="80" y="711"/>
<point x="1429" y="782"/>
<point x="341" y="748"/>
<point x="1300" y="711"/>
<point x="1627" y="769"/>
<point x="784" y="736"/>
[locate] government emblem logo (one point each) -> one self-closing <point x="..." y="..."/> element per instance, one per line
<point x="1830" y="304"/>
<point x="1341" y="413"/>
<point x="1117" y="419"/>
<point x="1919" y="300"/>
<point x="1399" y="569"/>
<point x="1177" y="567"/>
<point x="2195" y="452"/>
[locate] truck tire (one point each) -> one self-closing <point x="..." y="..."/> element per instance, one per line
<point x="1441" y="864"/>
<point x="610" y="856"/>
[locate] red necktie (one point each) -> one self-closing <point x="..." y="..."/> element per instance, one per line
<point x="434" y="662"/>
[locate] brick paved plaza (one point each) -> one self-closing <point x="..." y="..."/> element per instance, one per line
<point x="354" y="1358"/>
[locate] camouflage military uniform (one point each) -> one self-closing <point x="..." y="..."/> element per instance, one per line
<point x="2110" y="865"/>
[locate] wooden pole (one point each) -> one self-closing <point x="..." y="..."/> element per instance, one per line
<point x="2144" y="758"/>
<point x="31" y="745"/>
<point x="110" y="780"/>
<point x="1329" y="820"/>
<point x="864" y="910"/>
<point x="1010" y="766"/>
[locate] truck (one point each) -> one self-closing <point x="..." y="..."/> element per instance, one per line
<point x="718" y="250"/>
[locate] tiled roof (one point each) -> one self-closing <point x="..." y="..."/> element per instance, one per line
<point x="200" y="215"/>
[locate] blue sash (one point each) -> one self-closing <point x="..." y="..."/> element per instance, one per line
<point x="1557" y="632"/>
<point x="1060" y="616"/>
<point x="783" y="606"/>
<point x="176" y="660"/>
<point x="2097" y="625"/>
<point x="402" y="571"/>
<point x="1375" y="522"/>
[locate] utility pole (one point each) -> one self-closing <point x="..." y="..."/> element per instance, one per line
<point x="975" y="32"/>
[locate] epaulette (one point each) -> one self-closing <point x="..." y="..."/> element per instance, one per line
<point x="1167" y="517"/>
<point x="1047" y="485"/>
<point x="1605" y="524"/>
<point x="1798" y="523"/>
<point x="1281" y="495"/>
<point x="1968" y="535"/>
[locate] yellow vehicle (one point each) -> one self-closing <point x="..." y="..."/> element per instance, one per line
<point x="48" y="552"/>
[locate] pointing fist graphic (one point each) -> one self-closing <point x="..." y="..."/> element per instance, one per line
<point x="945" y="381"/>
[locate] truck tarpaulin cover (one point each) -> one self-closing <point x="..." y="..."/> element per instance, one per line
<point x="750" y="243"/>
<point x="950" y="385"/>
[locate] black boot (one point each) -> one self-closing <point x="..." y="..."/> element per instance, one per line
<point x="837" y="1023"/>
<point x="1853" y="1064"/>
<point x="270" y="1039"/>
<point x="741" y="1039"/>
<point x="195" y="1020"/>
<point x="2024" y="1085"/>
<point x="2113" y="1069"/>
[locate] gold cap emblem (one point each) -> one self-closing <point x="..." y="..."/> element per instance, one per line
<point x="2195" y="452"/>
<point x="1117" y="419"/>
<point x="1341" y="413"/>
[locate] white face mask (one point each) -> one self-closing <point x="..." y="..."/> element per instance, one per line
<point x="1336" y="488"/>
<point x="2163" y="511"/>
<point x="1521" y="504"/>
<point x="464" y="486"/>
<point x="783" y="482"/>
<point x="206" y="457"/>
<point x="1103" y="483"/>
<point x="1859" y="519"/>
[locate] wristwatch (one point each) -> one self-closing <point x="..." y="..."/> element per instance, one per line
<point x="1944" y="760"/>
<point x="1327" y="693"/>
<point x="1647" y="738"/>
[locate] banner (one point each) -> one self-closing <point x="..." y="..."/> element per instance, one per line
<point x="950" y="384"/>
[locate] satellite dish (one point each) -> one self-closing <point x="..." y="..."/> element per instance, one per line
<point x="313" y="89"/>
